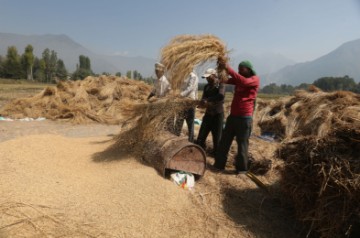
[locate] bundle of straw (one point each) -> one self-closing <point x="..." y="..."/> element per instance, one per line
<point x="322" y="179"/>
<point x="185" y="52"/>
<point x="144" y="121"/>
<point x="309" y="113"/>
<point x="94" y="99"/>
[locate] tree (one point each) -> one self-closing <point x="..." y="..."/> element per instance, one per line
<point x="129" y="74"/>
<point x="137" y="75"/>
<point x="28" y="61"/>
<point x="335" y="83"/>
<point x="49" y="62"/>
<point x="84" y="68"/>
<point x="2" y="61"/>
<point x="118" y="74"/>
<point x="12" y="64"/>
<point x="61" y="71"/>
<point x="39" y="66"/>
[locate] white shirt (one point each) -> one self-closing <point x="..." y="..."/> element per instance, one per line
<point x="189" y="87"/>
<point x="162" y="87"/>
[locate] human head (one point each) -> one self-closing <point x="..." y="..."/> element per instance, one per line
<point x="210" y="75"/>
<point x="159" y="69"/>
<point x="246" y="69"/>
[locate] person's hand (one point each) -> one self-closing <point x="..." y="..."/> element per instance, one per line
<point x="222" y="62"/>
<point x="203" y="104"/>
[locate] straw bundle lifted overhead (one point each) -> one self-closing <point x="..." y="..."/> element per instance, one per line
<point x="184" y="52"/>
<point x="179" y="57"/>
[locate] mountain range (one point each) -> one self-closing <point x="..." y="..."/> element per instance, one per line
<point x="272" y="68"/>
<point x="344" y="60"/>
<point x="69" y="51"/>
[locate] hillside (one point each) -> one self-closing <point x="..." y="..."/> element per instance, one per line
<point x="272" y="68"/>
<point x="345" y="60"/>
<point x="69" y="51"/>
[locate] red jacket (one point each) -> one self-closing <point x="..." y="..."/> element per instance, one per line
<point x="246" y="90"/>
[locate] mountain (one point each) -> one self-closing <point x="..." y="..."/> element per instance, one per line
<point x="272" y="68"/>
<point x="69" y="51"/>
<point x="345" y="60"/>
<point x="265" y="63"/>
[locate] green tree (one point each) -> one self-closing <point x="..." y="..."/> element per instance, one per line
<point x="84" y="68"/>
<point x="118" y="74"/>
<point x="49" y="63"/>
<point x="137" y="75"/>
<point x="39" y="66"/>
<point x="61" y="71"/>
<point x="335" y="83"/>
<point x="12" y="64"/>
<point x="2" y="61"/>
<point x="129" y="74"/>
<point x="28" y="61"/>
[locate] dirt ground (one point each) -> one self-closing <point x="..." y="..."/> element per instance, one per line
<point x="61" y="180"/>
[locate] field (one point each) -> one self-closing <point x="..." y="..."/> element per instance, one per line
<point x="62" y="180"/>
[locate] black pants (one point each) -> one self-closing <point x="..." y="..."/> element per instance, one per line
<point x="189" y="116"/>
<point x="239" y="127"/>
<point x="213" y="124"/>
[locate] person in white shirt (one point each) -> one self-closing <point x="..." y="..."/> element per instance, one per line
<point x="162" y="86"/>
<point x="189" y="89"/>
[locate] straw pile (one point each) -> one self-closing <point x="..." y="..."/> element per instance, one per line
<point x="144" y="122"/>
<point x="184" y="52"/>
<point x="321" y="152"/>
<point x="94" y="99"/>
<point x="309" y="113"/>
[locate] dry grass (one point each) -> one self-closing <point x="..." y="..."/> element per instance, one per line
<point x="185" y="52"/>
<point x="321" y="151"/>
<point x="94" y="99"/>
<point x="145" y="121"/>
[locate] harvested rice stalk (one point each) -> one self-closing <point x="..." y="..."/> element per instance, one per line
<point x="185" y="52"/>
<point x="94" y="99"/>
<point x="145" y="121"/>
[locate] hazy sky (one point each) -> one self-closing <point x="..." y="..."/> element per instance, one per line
<point x="301" y="30"/>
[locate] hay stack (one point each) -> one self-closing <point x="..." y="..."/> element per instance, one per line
<point x="144" y="121"/>
<point x="94" y="99"/>
<point x="309" y="113"/>
<point x="321" y="153"/>
<point x="184" y="52"/>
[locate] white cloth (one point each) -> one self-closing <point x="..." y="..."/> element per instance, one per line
<point x="189" y="87"/>
<point x="162" y="87"/>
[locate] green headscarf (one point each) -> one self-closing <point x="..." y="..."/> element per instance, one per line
<point x="247" y="64"/>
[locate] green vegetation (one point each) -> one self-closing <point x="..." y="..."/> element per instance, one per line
<point x="83" y="69"/>
<point x="326" y="84"/>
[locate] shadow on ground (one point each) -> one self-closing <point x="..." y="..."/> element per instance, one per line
<point x="261" y="213"/>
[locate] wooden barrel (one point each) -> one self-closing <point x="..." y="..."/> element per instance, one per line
<point x="173" y="153"/>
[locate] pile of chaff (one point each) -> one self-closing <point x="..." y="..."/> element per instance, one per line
<point x="94" y="99"/>
<point x="321" y="152"/>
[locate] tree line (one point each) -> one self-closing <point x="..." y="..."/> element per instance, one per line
<point x="49" y="68"/>
<point x="327" y="84"/>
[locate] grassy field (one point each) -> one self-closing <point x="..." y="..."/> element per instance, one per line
<point x="11" y="89"/>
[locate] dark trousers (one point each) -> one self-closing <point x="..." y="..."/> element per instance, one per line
<point x="239" y="127"/>
<point x="189" y="116"/>
<point x="213" y="124"/>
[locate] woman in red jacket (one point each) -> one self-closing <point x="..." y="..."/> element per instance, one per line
<point x="239" y="122"/>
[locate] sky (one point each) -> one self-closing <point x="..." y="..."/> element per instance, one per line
<point x="301" y="30"/>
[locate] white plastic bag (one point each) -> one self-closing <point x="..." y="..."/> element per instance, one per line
<point x="183" y="179"/>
